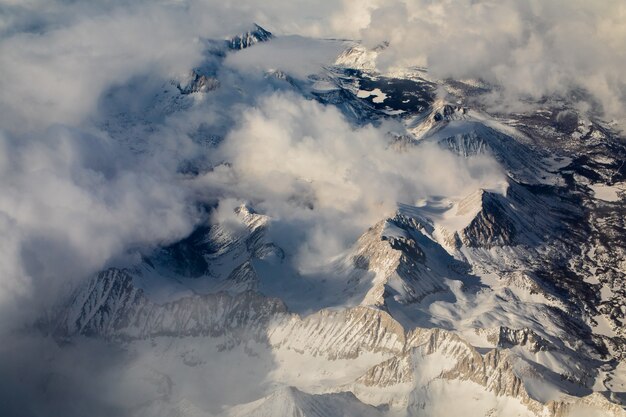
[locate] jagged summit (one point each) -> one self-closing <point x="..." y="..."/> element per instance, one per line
<point x="249" y="38"/>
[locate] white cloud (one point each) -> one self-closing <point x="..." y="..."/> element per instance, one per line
<point x="87" y="194"/>
<point x="58" y="76"/>
<point x="57" y="56"/>
<point x="306" y="166"/>
<point x="70" y="202"/>
<point x="531" y="48"/>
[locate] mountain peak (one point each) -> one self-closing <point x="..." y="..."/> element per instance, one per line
<point x="245" y="40"/>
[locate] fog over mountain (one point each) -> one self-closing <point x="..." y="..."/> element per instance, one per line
<point x="386" y="208"/>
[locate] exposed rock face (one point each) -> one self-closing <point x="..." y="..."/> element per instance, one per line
<point x="243" y="278"/>
<point x="198" y="83"/>
<point x="521" y="337"/>
<point x="393" y="371"/>
<point x="398" y="262"/>
<point x="247" y="39"/>
<point x="111" y="306"/>
<point x="449" y="112"/>
<point x="447" y="356"/>
<point x="594" y="404"/>
<point x="220" y="253"/>
<point x="344" y="334"/>
<point x="491" y="227"/>
<point x="496" y="371"/>
<point x="519" y="217"/>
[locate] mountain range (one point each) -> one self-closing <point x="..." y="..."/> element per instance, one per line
<point x="507" y="300"/>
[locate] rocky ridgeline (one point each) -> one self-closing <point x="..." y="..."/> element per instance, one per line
<point x="110" y="307"/>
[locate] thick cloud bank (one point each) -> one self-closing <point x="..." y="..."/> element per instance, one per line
<point x="306" y="166"/>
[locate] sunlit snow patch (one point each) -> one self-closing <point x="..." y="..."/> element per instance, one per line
<point x="379" y="96"/>
<point x="608" y="193"/>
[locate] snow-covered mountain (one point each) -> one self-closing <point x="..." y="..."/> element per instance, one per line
<point x="508" y="300"/>
<point x="245" y="40"/>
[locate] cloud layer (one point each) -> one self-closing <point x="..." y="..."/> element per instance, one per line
<point x="98" y="160"/>
<point x="530" y="48"/>
<point x="71" y="190"/>
<point x="57" y="56"/>
<point x="70" y="202"/>
<point x="304" y="165"/>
